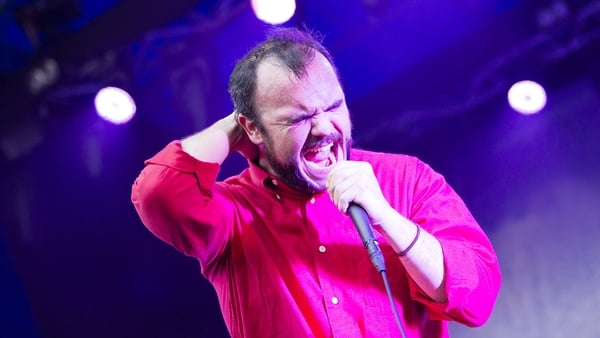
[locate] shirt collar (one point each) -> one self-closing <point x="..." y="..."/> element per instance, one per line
<point x="262" y="178"/>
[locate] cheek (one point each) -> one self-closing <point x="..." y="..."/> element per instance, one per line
<point x="343" y="124"/>
<point x="297" y="138"/>
<point x="288" y="146"/>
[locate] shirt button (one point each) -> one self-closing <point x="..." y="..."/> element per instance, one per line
<point x="322" y="248"/>
<point x="334" y="300"/>
<point x="277" y="196"/>
<point x="312" y="200"/>
<point x="274" y="182"/>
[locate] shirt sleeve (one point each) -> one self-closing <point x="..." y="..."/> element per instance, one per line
<point x="472" y="272"/>
<point x="177" y="199"/>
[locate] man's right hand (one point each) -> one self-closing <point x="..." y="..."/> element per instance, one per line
<point x="241" y="143"/>
<point x="213" y="144"/>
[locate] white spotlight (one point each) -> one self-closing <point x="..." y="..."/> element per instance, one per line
<point x="114" y="105"/>
<point x="527" y="97"/>
<point x="274" y="12"/>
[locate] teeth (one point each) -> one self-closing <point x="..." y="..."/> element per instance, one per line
<point x="322" y="153"/>
<point x="324" y="148"/>
<point x="322" y="157"/>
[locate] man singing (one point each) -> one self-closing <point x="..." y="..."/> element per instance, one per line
<point x="276" y="241"/>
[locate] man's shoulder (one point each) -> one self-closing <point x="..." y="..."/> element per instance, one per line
<point x="385" y="164"/>
<point x="377" y="157"/>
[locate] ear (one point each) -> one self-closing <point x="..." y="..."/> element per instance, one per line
<point x="251" y="129"/>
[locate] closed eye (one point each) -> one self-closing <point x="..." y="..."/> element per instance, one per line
<point x="304" y="117"/>
<point x="300" y="118"/>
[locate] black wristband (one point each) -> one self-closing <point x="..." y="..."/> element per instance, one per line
<point x="405" y="251"/>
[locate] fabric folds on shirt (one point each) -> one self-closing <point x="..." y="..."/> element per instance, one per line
<point x="285" y="264"/>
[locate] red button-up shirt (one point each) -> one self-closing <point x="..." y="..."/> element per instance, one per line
<point x="289" y="265"/>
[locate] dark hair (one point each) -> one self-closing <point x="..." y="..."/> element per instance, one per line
<point x="294" y="47"/>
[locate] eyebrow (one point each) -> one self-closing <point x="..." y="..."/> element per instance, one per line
<point x="334" y="105"/>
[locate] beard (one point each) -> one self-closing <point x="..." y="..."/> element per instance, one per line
<point x="288" y="170"/>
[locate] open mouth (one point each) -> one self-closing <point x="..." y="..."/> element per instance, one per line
<point x="321" y="158"/>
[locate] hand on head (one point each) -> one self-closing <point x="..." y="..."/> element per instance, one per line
<point x="242" y="143"/>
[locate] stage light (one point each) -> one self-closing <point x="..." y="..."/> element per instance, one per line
<point x="527" y="97"/>
<point x="43" y="76"/>
<point x="274" y="12"/>
<point x="114" y="105"/>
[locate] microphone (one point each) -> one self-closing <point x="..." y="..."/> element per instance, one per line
<point x="363" y="225"/>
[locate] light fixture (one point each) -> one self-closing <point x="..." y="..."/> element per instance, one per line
<point x="114" y="105"/>
<point x="527" y="97"/>
<point x="274" y="12"/>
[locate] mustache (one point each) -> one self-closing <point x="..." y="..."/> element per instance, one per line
<point x="318" y="142"/>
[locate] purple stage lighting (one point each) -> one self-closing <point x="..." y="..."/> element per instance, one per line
<point x="114" y="105"/>
<point x="527" y="97"/>
<point x="274" y="12"/>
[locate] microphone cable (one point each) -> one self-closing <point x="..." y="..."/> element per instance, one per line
<point x="363" y="225"/>
<point x="388" y="290"/>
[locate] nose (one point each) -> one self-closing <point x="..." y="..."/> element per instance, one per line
<point x="321" y="125"/>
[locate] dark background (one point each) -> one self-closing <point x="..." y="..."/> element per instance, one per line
<point x="426" y="78"/>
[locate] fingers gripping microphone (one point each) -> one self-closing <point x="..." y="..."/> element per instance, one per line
<point x="363" y="225"/>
